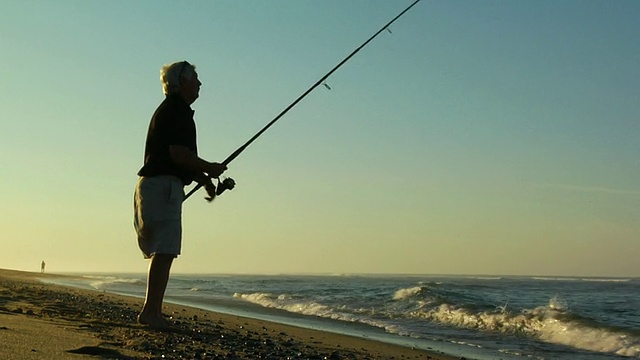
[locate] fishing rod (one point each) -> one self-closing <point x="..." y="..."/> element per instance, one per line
<point x="228" y="183"/>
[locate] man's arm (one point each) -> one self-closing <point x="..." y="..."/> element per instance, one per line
<point x="185" y="158"/>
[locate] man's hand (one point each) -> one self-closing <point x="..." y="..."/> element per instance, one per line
<point x="214" y="170"/>
<point x="207" y="183"/>
<point x="211" y="190"/>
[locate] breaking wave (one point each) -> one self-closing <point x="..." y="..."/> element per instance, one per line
<point x="101" y="282"/>
<point x="409" y="292"/>
<point x="552" y="323"/>
<point x="311" y="308"/>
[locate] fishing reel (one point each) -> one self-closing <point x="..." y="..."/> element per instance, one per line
<point x="223" y="185"/>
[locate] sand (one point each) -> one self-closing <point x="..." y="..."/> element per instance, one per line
<point x="44" y="321"/>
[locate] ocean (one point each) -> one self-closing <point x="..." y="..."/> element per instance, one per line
<point x="472" y="316"/>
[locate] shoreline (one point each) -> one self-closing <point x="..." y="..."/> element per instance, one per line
<point x="40" y="320"/>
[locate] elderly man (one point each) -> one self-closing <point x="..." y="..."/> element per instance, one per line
<point x="170" y="162"/>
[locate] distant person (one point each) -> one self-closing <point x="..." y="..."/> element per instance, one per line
<point x="170" y="162"/>
<point x="42" y="265"/>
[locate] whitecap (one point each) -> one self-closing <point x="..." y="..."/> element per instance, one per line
<point x="408" y="292"/>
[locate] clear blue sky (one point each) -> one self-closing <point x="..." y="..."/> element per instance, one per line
<point x="480" y="137"/>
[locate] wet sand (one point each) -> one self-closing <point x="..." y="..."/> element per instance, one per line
<point x="44" y="321"/>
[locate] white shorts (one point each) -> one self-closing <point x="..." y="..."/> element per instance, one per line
<point x="158" y="215"/>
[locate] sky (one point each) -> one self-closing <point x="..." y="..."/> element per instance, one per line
<point x="476" y="137"/>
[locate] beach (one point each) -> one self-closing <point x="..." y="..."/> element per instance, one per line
<point x="44" y="321"/>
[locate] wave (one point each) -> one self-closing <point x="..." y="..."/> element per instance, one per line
<point x="484" y="277"/>
<point x="403" y="294"/>
<point x="286" y="302"/>
<point x="552" y="323"/>
<point x="550" y="278"/>
<point x="298" y="305"/>
<point x="100" y="282"/>
<point x="545" y="278"/>
<point x="606" y="280"/>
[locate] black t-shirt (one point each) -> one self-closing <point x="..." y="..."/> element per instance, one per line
<point x="171" y="124"/>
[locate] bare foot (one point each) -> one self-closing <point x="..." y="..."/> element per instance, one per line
<point x="154" y="321"/>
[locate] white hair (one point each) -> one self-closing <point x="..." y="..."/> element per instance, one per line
<point x="171" y="76"/>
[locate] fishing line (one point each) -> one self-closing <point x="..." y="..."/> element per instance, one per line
<point x="228" y="184"/>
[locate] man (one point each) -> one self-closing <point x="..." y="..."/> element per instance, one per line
<point x="170" y="162"/>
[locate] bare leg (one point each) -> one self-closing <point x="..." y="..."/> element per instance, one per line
<point x="157" y="281"/>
